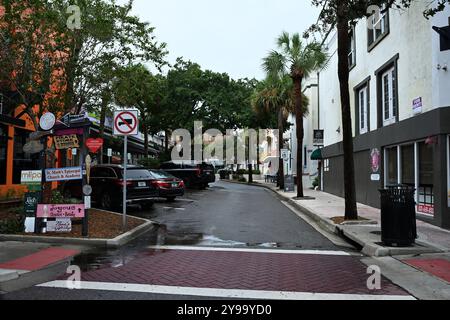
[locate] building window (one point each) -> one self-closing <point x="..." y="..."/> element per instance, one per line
<point x="426" y="177"/>
<point x="377" y="28"/>
<point x="352" y="48"/>
<point x="326" y="165"/>
<point x="407" y="165"/>
<point x="363" y="101"/>
<point x="3" y="152"/>
<point x="388" y="96"/>
<point x="22" y="160"/>
<point x="391" y="166"/>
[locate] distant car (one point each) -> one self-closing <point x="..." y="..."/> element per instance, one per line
<point x="107" y="186"/>
<point x="168" y="186"/>
<point x="193" y="175"/>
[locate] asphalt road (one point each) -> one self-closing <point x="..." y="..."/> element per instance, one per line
<point x="242" y="227"/>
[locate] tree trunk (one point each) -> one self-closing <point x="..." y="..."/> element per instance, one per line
<point x="300" y="132"/>
<point x="166" y="141"/>
<point x="281" y="146"/>
<point x="351" y="211"/>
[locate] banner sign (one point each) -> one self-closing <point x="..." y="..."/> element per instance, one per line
<point x="289" y="183"/>
<point x="60" y="211"/>
<point x="66" y="142"/>
<point x="60" y="225"/>
<point x="94" y="145"/>
<point x="63" y="174"/>
<point x="31" y="201"/>
<point x="426" y="209"/>
<point x="417" y="105"/>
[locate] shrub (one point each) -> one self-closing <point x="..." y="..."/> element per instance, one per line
<point x="150" y="163"/>
<point x="316" y="182"/>
<point x="242" y="179"/>
<point x="13" y="224"/>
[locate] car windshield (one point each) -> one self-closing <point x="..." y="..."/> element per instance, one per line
<point x="157" y="174"/>
<point x="138" y="174"/>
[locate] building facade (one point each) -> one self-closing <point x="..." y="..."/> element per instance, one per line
<point x="400" y="104"/>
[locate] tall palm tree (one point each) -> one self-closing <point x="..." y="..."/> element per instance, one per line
<point x="275" y="95"/>
<point x="297" y="60"/>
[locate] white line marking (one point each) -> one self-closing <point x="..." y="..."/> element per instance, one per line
<point x="171" y="208"/>
<point x="313" y="252"/>
<point x="186" y="200"/>
<point x="221" y="293"/>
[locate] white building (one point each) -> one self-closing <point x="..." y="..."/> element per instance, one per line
<point x="400" y="104"/>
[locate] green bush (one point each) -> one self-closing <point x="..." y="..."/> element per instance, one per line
<point x="150" y="163"/>
<point x="316" y="182"/>
<point x="242" y="179"/>
<point x="13" y="225"/>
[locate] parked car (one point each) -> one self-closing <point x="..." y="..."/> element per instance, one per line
<point x="168" y="186"/>
<point x="107" y="186"/>
<point x="193" y="175"/>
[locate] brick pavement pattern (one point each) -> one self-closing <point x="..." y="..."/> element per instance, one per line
<point x="438" y="267"/>
<point x="245" y="271"/>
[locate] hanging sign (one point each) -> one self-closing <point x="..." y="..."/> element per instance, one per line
<point x="63" y="174"/>
<point x="94" y="145"/>
<point x="318" y="138"/>
<point x="66" y="142"/>
<point x="60" y="211"/>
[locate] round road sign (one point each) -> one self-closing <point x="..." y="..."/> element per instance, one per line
<point x="126" y="123"/>
<point x="87" y="190"/>
<point x="47" y="121"/>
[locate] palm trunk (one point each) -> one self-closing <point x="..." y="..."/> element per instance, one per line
<point x="300" y="132"/>
<point x="102" y="122"/>
<point x="281" y="143"/>
<point x="351" y="211"/>
<point x="144" y="128"/>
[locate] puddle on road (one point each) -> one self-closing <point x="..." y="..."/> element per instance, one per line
<point x="99" y="258"/>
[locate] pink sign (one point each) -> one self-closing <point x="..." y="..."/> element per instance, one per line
<point x="68" y="132"/>
<point x="60" y="211"/>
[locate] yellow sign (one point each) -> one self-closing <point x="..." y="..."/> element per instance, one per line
<point x="66" y="142"/>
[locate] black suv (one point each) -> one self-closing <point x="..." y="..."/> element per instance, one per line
<point x="107" y="186"/>
<point x="193" y="175"/>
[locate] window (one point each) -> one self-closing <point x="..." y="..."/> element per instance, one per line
<point x="426" y="176"/>
<point x="377" y="27"/>
<point x="407" y="165"/>
<point x="392" y="166"/>
<point x="22" y="160"/>
<point x="352" y="48"/>
<point x="326" y="165"/>
<point x="363" y="101"/>
<point x="3" y="152"/>
<point x="388" y="96"/>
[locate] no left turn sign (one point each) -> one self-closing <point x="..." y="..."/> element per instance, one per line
<point x="126" y="123"/>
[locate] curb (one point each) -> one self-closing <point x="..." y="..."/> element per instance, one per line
<point x="370" y="249"/>
<point x="109" y="243"/>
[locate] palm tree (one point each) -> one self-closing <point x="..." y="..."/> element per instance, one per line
<point x="297" y="60"/>
<point x="275" y="95"/>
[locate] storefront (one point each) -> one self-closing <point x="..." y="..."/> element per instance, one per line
<point x="414" y="152"/>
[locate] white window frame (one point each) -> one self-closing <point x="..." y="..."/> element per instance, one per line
<point x="391" y="104"/>
<point x="352" y="53"/>
<point x="363" y="110"/>
<point x="374" y="24"/>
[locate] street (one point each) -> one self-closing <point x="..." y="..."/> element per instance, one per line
<point x="229" y="241"/>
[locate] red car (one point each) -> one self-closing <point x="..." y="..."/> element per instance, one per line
<point x="167" y="185"/>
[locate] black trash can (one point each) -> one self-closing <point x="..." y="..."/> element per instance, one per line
<point x="398" y="216"/>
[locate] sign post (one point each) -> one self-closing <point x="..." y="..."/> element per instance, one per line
<point x="125" y="124"/>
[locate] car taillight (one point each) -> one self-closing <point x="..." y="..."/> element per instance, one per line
<point x="161" y="184"/>
<point x="199" y="172"/>
<point x="121" y="183"/>
<point x="181" y="184"/>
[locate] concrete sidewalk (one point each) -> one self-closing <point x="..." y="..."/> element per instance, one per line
<point x="24" y="264"/>
<point x="366" y="234"/>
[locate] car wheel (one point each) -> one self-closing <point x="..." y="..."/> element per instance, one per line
<point x="171" y="199"/>
<point x="106" y="201"/>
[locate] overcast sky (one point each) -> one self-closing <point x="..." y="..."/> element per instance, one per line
<point x="225" y="35"/>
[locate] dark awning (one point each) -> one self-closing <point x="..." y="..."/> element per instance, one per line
<point x="317" y="155"/>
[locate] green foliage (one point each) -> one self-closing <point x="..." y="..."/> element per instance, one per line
<point x="150" y="163"/>
<point x="315" y="183"/>
<point x="13" y="224"/>
<point x="58" y="198"/>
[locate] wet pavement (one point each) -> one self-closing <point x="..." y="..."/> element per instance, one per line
<point x="230" y="240"/>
